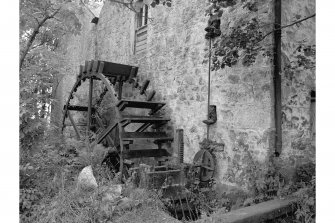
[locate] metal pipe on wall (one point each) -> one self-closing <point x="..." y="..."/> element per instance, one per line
<point x="209" y="82"/>
<point x="277" y="76"/>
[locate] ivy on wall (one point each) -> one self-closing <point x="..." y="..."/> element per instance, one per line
<point x="245" y="39"/>
<point x="240" y="42"/>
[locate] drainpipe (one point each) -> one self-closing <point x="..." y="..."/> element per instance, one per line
<point x="277" y="76"/>
<point x="209" y="83"/>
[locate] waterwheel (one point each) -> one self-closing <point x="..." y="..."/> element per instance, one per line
<point x="132" y="136"/>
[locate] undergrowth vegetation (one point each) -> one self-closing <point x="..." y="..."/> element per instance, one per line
<point x="273" y="184"/>
<point x="49" y="193"/>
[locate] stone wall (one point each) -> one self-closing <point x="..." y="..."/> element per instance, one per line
<point x="298" y="137"/>
<point x="175" y="62"/>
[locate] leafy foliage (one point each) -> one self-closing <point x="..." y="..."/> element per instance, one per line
<point x="43" y="173"/>
<point x="206" y="199"/>
<point x="303" y="59"/>
<point x="306" y="203"/>
<point x="242" y="41"/>
<point x="136" y="5"/>
<point x="42" y="24"/>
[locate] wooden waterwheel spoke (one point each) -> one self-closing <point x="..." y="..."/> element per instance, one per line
<point x="73" y="124"/>
<point x="117" y="112"/>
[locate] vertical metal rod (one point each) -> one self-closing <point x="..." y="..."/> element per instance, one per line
<point x="277" y="77"/>
<point x="209" y="82"/>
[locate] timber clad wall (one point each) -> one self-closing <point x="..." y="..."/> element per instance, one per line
<point x="173" y="58"/>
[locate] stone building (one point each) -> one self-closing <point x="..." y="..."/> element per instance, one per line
<point x="169" y="47"/>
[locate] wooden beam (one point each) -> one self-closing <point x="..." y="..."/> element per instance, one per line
<point x="95" y="66"/>
<point x="120" y="90"/>
<point x="89" y="113"/>
<point x="109" y="138"/>
<point x="81" y="68"/>
<point x="86" y="65"/>
<point x="144" y="86"/>
<point x="151" y="95"/>
<point x="146" y="153"/>
<point x="106" y="132"/>
<point x="89" y="67"/>
<point x="78" y="108"/>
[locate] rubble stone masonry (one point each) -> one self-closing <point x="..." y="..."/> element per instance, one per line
<point x="176" y="64"/>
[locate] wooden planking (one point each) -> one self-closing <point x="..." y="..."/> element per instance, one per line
<point x="141" y="51"/>
<point x="132" y="73"/>
<point x="140" y="104"/>
<point x="66" y="124"/>
<point x="146" y="153"/>
<point x="141" y="43"/>
<point x="143" y="135"/>
<point x="78" y="108"/>
<point x="141" y="37"/>
<point x="140" y="48"/>
<point x="115" y="69"/>
<point x="141" y="40"/>
<point x="143" y="119"/>
<point x="141" y="30"/>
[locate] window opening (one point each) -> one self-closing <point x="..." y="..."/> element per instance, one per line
<point x="140" y="45"/>
<point x="142" y="17"/>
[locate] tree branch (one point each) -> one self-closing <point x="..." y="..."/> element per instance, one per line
<point x="283" y="27"/>
<point x="37" y="45"/>
<point x="34" y="34"/>
<point x="127" y="5"/>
